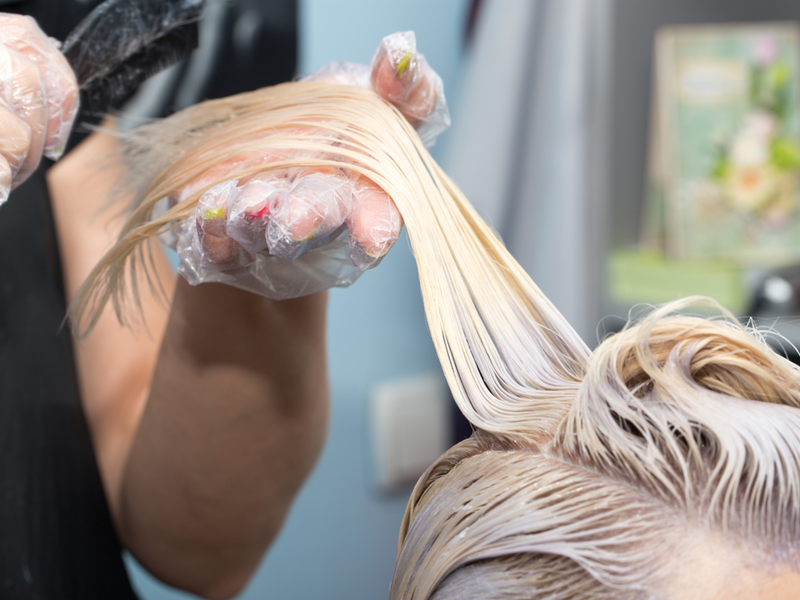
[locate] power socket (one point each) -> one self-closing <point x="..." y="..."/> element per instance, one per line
<point x="411" y="427"/>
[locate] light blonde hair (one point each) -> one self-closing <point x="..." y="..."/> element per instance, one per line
<point x="682" y="426"/>
<point x="584" y="467"/>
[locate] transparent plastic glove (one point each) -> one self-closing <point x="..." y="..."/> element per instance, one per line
<point x="288" y="234"/>
<point x="38" y="100"/>
<point x="298" y="231"/>
<point x="402" y="75"/>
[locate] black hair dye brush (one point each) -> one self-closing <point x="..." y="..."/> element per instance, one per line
<point x="123" y="42"/>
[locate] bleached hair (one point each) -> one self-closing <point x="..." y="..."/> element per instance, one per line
<point x="586" y="469"/>
<point x="681" y="424"/>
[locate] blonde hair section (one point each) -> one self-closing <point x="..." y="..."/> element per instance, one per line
<point x="683" y="429"/>
<point x="498" y="338"/>
<point x="586" y="468"/>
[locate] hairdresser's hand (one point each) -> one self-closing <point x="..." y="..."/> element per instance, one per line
<point x="286" y="233"/>
<point x="38" y="100"/>
<point x="290" y="232"/>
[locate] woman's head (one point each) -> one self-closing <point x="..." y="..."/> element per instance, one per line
<point x="675" y="473"/>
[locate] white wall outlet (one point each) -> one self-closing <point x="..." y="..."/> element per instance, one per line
<point x="411" y="427"/>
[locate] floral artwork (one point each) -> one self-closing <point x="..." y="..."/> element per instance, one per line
<point x="757" y="168"/>
<point x="727" y="152"/>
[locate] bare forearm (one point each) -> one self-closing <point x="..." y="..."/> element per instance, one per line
<point x="115" y="364"/>
<point x="199" y="477"/>
<point x="235" y="421"/>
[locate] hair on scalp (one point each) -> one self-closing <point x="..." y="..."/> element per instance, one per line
<point x="682" y="426"/>
<point x="587" y="469"/>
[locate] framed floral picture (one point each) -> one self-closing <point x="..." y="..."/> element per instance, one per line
<point x="724" y="154"/>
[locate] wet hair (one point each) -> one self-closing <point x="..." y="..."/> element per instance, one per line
<point x="682" y="428"/>
<point x="587" y="469"/>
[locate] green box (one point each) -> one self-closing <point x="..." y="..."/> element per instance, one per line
<point x="648" y="277"/>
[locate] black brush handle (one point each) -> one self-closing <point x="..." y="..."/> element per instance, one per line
<point x="123" y="42"/>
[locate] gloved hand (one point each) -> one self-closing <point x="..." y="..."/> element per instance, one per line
<point x="293" y="232"/>
<point x="38" y="100"/>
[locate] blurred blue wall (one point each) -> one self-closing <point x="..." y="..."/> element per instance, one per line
<point x="340" y="541"/>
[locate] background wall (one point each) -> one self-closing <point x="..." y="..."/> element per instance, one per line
<point x="340" y="541"/>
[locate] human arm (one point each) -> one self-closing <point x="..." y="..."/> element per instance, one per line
<point x="240" y="407"/>
<point x="200" y="467"/>
<point x="208" y="479"/>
